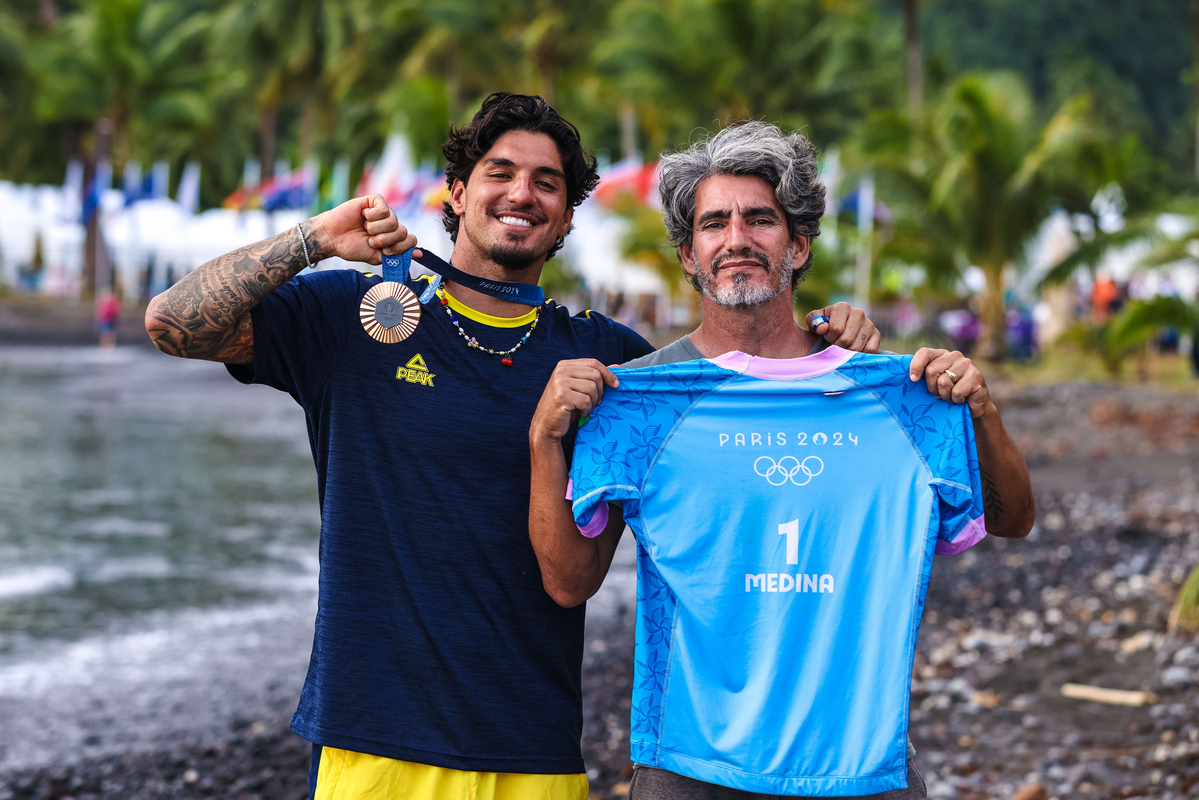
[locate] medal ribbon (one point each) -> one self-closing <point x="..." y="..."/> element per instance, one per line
<point x="395" y="268"/>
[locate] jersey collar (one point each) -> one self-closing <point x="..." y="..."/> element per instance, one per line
<point x="784" y="369"/>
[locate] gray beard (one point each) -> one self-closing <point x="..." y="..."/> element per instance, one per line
<point x="742" y="295"/>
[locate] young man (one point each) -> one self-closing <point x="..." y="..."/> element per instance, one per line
<point x="787" y="500"/>
<point x="440" y="667"/>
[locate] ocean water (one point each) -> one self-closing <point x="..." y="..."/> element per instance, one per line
<point x="131" y="482"/>
<point x="158" y="553"/>
<point x="158" y="540"/>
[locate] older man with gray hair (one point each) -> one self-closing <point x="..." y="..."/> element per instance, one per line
<point x="787" y="499"/>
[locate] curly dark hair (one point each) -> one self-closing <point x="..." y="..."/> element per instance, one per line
<point x="503" y="112"/>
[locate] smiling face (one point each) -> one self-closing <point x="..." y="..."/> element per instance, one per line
<point x="514" y="206"/>
<point x="741" y="251"/>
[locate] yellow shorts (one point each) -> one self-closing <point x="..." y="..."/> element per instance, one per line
<point x="345" y="775"/>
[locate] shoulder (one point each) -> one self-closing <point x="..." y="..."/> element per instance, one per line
<point x="673" y="353"/>
<point x="875" y="368"/>
<point x="604" y="338"/>
<point x="327" y="285"/>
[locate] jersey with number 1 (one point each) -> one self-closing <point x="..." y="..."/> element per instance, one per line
<point x="786" y="515"/>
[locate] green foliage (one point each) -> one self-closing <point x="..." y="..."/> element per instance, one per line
<point x="421" y="107"/>
<point x="1130" y="330"/>
<point x="646" y="241"/>
<point x="558" y="280"/>
<point x="822" y="285"/>
<point x="977" y="176"/>
<point x="1092" y="249"/>
<point x="804" y="64"/>
<point x="1141" y="320"/>
<point x="1128" y="54"/>
<point x="220" y="80"/>
<point x="1090" y="252"/>
<point x="1185" y="614"/>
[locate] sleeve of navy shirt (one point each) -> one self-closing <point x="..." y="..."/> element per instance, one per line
<point x="629" y="343"/>
<point x="300" y="330"/>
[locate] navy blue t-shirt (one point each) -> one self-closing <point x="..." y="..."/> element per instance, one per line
<point x="435" y="640"/>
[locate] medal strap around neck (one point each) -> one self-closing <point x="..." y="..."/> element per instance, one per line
<point x="395" y="268"/>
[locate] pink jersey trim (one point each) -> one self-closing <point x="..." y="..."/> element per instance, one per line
<point x="599" y="520"/>
<point x="966" y="538"/>
<point x="783" y="369"/>
<point x="599" y="517"/>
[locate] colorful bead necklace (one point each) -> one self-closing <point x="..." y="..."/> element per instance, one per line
<point x="473" y="343"/>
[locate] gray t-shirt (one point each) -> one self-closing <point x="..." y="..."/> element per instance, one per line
<point x="683" y="350"/>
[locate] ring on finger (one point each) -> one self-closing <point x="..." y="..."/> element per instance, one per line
<point x="953" y="376"/>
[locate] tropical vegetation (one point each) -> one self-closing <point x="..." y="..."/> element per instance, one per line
<point x="977" y="119"/>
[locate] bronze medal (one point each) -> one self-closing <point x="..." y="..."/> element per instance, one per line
<point x="389" y="312"/>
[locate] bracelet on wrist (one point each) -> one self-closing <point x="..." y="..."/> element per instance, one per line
<point x="304" y="245"/>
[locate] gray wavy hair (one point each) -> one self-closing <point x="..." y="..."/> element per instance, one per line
<point x="785" y="161"/>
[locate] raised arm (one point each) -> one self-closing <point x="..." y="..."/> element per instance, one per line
<point x="1009" y="508"/>
<point x="572" y="565"/>
<point x="206" y="315"/>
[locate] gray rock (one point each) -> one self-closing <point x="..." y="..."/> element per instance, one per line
<point x="1187" y="656"/>
<point x="1177" y="676"/>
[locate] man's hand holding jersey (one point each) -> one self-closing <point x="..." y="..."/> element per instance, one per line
<point x="953" y="378"/>
<point x="1007" y="488"/>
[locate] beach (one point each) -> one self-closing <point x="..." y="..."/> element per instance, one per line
<point x="159" y="528"/>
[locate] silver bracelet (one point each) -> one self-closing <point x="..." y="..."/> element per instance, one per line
<point x="304" y="245"/>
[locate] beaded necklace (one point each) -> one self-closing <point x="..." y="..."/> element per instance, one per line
<point x="473" y="343"/>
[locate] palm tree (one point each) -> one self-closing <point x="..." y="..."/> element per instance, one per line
<point x="116" y="66"/>
<point x="13" y="79"/>
<point x="291" y="49"/>
<point x="986" y="176"/>
<point x="686" y="63"/>
<point x="914" y="60"/>
<point x="125" y="61"/>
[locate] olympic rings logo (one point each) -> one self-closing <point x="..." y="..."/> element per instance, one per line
<point x="787" y="467"/>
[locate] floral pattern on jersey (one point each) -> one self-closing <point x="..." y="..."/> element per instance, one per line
<point x="609" y="461"/>
<point x="692" y="387"/>
<point x="943" y="432"/>
<point x="645" y="442"/>
<point x="613" y="454"/>
<point x="601" y="420"/>
<point x="644" y="403"/>
<point x="918" y="421"/>
<point x="655" y="622"/>
<point x="896" y="375"/>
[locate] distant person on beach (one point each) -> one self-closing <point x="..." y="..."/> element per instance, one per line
<point x="439" y="664"/>
<point x="108" y="311"/>
<point x="787" y="498"/>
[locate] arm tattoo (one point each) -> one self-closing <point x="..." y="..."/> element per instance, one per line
<point x="992" y="502"/>
<point x="207" y="314"/>
<point x="240" y="349"/>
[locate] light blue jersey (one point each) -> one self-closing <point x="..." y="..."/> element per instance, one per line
<point x="786" y="515"/>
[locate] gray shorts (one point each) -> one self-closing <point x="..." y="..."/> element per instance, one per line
<point x="650" y="783"/>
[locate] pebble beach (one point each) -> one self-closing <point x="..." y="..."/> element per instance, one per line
<point x="1084" y="600"/>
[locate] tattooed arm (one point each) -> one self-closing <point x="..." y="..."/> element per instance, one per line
<point x="206" y="315"/>
<point x="1008" y="505"/>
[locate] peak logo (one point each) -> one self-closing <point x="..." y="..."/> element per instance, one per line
<point x="415" y="371"/>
